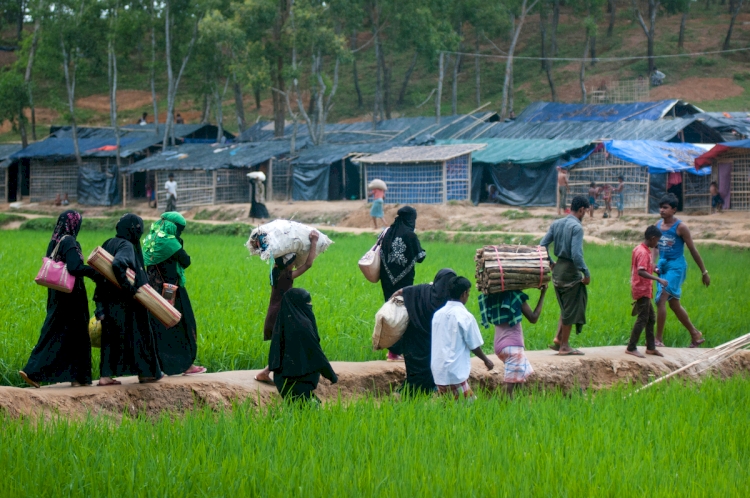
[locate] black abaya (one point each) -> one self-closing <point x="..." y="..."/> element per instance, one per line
<point x="422" y="301"/>
<point x="63" y="352"/>
<point x="177" y="346"/>
<point x="257" y="209"/>
<point x="128" y="345"/>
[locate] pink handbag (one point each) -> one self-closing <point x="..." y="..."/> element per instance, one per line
<point x="54" y="274"/>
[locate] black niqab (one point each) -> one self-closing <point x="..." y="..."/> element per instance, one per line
<point x="295" y="344"/>
<point x="422" y="301"/>
<point x="130" y="228"/>
<point x="400" y="249"/>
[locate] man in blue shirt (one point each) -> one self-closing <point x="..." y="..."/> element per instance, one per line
<point x="570" y="275"/>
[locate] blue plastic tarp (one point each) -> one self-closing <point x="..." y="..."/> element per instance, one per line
<point x="659" y="157"/>
<point x="540" y="112"/>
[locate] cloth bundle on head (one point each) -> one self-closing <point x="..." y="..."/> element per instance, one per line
<point x="280" y="237"/>
<point x="295" y="344"/>
<point x="163" y="242"/>
<point x="400" y="248"/>
<point x="68" y="223"/>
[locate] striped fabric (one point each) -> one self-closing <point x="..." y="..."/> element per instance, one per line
<point x="458" y="391"/>
<point x="517" y="366"/>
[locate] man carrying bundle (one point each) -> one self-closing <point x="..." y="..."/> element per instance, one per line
<point x="570" y="275"/>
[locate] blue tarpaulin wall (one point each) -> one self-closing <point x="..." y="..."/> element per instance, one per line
<point x="97" y="188"/>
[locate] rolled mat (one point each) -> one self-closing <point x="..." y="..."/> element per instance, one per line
<point x="101" y="261"/>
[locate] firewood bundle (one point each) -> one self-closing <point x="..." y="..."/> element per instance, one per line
<point x="507" y="267"/>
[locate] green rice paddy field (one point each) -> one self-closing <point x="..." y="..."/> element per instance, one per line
<point x="673" y="440"/>
<point x="230" y="292"/>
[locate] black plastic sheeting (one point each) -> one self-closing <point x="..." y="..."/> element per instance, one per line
<point x="517" y="185"/>
<point x="310" y="182"/>
<point x="97" y="188"/>
<point x="657" y="188"/>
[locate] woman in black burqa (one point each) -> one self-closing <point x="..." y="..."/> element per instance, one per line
<point x="63" y="352"/>
<point x="400" y="251"/>
<point x="128" y="345"/>
<point x="296" y="358"/>
<point x="422" y="301"/>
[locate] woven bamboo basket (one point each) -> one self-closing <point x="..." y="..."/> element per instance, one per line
<point x="101" y="261"/>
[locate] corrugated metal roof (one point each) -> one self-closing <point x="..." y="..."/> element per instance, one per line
<point x="92" y="142"/>
<point x="329" y="153"/>
<point x="422" y="154"/>
<point x="520" y="151"/>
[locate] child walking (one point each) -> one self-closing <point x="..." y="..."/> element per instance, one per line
<point x="641" y="281"/>
<point x="455" y="334"/>
<point x="505" y="310"/>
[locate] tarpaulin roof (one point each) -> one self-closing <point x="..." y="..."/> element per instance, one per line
<point x="199" y="130"/>
<point x="541" y="112"/>
<point x="212" y="157"/>
<point x="498" y="151"/>
<point x="706" y="158"/>
<point x="329" y="153"/>
<point x="664" y="130"/>
<point x="7" y="150"/>
<point x="726" y="122"/>
<point x="422" y="154"/>
<point x="92" y="142"/>
<point x="658" y="157"/>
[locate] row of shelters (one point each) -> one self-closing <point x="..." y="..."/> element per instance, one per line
<point x="473" y="157"/>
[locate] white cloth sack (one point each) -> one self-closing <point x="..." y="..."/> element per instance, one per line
<point x="377" y="183"/>
<point x="257" y="175"/>
<point x="391" y="321"/>
<point x="284" y="237"/>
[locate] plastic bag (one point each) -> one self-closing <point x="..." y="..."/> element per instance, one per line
<point x="281" y="237"/>
<point x="391" y="321"/>
<point x="95" y="332"/>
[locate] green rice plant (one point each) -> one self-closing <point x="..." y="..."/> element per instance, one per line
<point x="230" y="293"/>
<point x="675" y="440"/>
<point x="6" y="218"/>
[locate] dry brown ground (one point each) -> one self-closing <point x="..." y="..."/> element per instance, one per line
<point x="599" y="368"/>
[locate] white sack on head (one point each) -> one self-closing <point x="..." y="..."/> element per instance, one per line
<point x="281" y="237"/>
<point x="257" y="175"/>
<point x="377" y="184"/>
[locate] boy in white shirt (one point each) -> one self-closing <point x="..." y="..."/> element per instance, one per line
<point x="171" y="187"/>
<point x="455" y="335"/>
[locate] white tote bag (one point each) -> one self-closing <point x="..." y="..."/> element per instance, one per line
<point x="390" y="323"/>
<point x="369" y="264"/>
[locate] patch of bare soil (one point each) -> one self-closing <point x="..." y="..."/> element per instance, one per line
<point x="698" y="89"/>
<point x="44" y="118"/>
<point x="127" y="100"/>
<point x="599" y="368"/>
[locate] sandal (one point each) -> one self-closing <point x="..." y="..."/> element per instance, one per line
<point x="697" y="344"/>
<point x="554" y="347"/>
<point x="26" y="379"/>
<point x="198" y="370"/>
<point x="572" y="352"/>
<point x="264" y="381"/>
<point x="659" y="344"/>
<point x="113" y="383"/>
<point x="147" y="380"/>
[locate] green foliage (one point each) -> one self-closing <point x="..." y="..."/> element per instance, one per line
<point x="6" y="219"/>
<point x="230" y="293"/>
<point x="675" y="440"/>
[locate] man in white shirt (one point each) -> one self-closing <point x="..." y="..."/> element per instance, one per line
<point x="455" y="335"/>
<point x="171" y="188"/>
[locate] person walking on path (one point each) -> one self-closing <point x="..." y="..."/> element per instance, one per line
<point x="422" y="301"/>
<point x="296" y="358"/>
<point x="282" y="280"/>
<point x="563" y="189"/>
<point x="641" y="282"/>
<point x="570" y="275"/>
<point x="171" y="187"/>
<point x="166" y="261"/>
<point x="505" y="310"/>
<point x="455" y="335"/>
<point x="672" y="267"/>
<point x="128" y="344"/>
<point x="376" y="211"/>
<point x="63" y="352"/>
<point x="400" y="251"/>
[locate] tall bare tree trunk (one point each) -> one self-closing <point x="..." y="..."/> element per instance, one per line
<point x="681" y="39"/>
<point x="546" y="63"/>
<point x="353" y="45"/>
<point x="407" y="76"/>
<point x="386" y="71"/>
<point x="454" y="84"/>
<point x="612" y="17"/>
<point x="509" y="63"/>
<point x="728" y="39"/>
<point x="206" y="112"/>
<point x="220" y="109"/>
<point x="377" y="110"/>
<point x="27" y="83"/>
<point x="650" y="31"/>
<point x="112" y="77"/>
<point x="277" y="68"/>
<point x="256" y="96"/>
<point x="439" y="96"/>
<point x="582" y="75"/>
<point x="555" y="22"/>
<point x="70" y="85"/>
<point x="239" y="105"/>
<point x="477" y="73"/>
<point x="592" y="48"/>
<point x="152" y="76"/>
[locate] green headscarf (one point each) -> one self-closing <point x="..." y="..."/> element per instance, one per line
<point x="175" y="218"/>
<point x="161" y="244"/>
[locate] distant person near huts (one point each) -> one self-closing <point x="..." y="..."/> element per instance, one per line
<point x="258" y="209"/>
<point x="283" y="275"/>
<point x="171" y="187"/>
<point x="563" y="188"/>
<point x="377" y="191"/>
<point x="570" y="275"/>
<point x="400" y="251"/>
<point x="142" y="120"/>
<point x="166" y="261"/>
<point x="128" y="344"/>
<point x="296" y="358"/>
<point x="63" y="351"/>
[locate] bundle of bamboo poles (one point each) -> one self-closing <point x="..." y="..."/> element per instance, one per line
<point x="508" y="267"/>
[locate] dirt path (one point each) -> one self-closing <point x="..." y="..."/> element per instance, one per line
<point x="599" y="368"/>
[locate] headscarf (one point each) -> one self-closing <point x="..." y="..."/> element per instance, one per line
<point x="68" y="223"/>
<point x="130" y="228"/>
<point x="400" y="248"/>
<point x="295" y="343"/>
<point x="177" y="219"/>
<point x="161" y="244"/>
<point x="422" y="301"/>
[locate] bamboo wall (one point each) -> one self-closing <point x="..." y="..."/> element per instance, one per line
<point x="695" y="192"/>
<point x="604" y="168"/>
<point x="204" y="188"/>
<point x="739" y="199"/>
<point x="48" y="179"/>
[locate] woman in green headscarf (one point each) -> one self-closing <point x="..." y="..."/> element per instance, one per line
<point x="166" y="261"/>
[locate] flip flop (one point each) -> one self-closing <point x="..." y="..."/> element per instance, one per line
<point x="199" y="370"/>
<point x="113" y="383"/>
<point x="554" y="347"/>
<point x="264" y="381"/>
<point x="659" y="344"/>
<point x="572" y="352"/>
<point x="697" y="344"/>
<point x="147" y="380"/>
<point x="28" y="380"/>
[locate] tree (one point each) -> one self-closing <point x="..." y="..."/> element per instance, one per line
<point x="727" y="40"/>
<point x="682" y="7"/>
<point x="650" y="31"/>
<point x="544" y="8"/>
<point x="14" y="99"/>
<point x="612" y="9"/>
<point x="523" y="11"/>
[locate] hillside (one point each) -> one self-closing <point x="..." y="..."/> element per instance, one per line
<point x="713" y="82"/>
